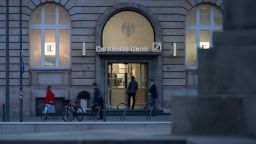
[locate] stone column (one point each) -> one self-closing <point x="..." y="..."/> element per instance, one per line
<point x="226" y="102"/>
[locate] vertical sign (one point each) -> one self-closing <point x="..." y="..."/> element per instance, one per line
<point x="50" y="49"/>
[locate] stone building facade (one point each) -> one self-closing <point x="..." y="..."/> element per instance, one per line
<point x="84" y="65"/>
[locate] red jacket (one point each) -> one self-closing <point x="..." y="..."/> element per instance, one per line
<point x="49" y="98"/>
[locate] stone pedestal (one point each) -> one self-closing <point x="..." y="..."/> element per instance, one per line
<point x="249" y="116"/>
<point x="226" y="101"/>
<point x="206" y="115"/>
<point x="239" y="14"/>
<point x="229" y="68"/>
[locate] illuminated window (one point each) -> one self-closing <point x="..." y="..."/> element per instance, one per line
<point x="202" y="21"/>
<point x="50" y="37"/>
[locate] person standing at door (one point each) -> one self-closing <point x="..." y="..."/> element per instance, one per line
<point x="131" y="91"/>
<point x="152" y="93"/>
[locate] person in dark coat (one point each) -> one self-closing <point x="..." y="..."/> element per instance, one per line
<point x="97" y="99"/>
<point x="152" y="92"/>
<point x="131" y="91"/>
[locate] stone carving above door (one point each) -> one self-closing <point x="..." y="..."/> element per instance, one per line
<point x="128" y="29"/>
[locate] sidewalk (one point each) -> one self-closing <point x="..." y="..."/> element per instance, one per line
<point x="133" y="130"/>
<point x="117" y="135"/>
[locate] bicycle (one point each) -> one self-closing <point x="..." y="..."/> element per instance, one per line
<point x="44" y="110"/>
<point x="71" y="111"/>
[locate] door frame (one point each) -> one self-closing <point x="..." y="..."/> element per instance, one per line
<point x="107" y="98"/>
<point x="107" y="62"/>
<point x="154" y="70"/>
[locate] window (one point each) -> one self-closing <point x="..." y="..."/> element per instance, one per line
<point x="202" y="21"/>
<point x="50" y="37"/>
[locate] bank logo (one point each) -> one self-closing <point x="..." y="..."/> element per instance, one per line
<point x="128" y="29"/>
<point x="157" y="47"/>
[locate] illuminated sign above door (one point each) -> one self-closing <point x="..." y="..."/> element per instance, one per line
<point x="156" y="48"/>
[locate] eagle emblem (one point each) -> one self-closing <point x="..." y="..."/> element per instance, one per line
<point x="128" y="29"/>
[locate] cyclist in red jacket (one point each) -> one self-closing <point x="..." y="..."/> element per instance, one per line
<point x="49" y="101"/>
<point x="50" y="97"/>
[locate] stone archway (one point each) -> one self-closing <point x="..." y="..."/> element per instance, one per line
<point x="140" y="9"/>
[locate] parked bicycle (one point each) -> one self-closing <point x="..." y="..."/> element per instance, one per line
<point x="119" y="107"/>
<point x="95" y="111"/>
<point x="148" y="108"/>
<point x="71" y="111"/>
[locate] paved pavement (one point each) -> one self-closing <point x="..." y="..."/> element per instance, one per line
<point x="134" y="129"/>
<point x="121" y="135"/>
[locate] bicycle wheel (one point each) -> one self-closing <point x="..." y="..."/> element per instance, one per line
<point x="67" y="115"/>
<point x="79" y="114"/>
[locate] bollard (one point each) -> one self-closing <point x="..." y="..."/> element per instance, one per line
<point x="3" y="112"/>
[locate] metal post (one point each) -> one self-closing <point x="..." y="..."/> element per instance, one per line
<point x="21" y="66"/>
<point x="104" y="112"/>
<point x="7" y="88"/>
<point x="3" y="112"/>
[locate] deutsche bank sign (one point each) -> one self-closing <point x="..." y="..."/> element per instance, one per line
<point x="156" y="48"/>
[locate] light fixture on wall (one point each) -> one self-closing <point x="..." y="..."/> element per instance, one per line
<point x="174" y="53"/>
<point x="83" y="50"/>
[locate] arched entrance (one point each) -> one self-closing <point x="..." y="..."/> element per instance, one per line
<point x="127" y="29"/>
<point x="124" y="47"/>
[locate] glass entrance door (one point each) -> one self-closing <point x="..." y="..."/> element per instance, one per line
<point x="119" y="76"/>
